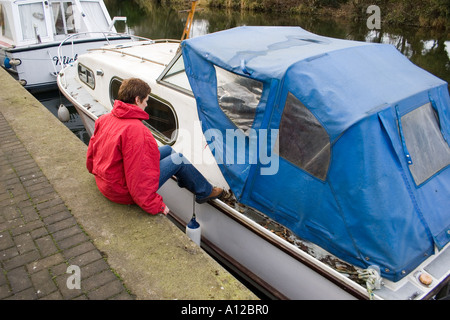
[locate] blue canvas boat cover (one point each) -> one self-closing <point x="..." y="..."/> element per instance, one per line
<point x="345" y="143"/>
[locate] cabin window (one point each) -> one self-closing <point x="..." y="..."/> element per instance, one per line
<point x="32" y="21"/>
<point x="238" y="97"/>
<point x="95" y="15"/>
<point x="175" y="76"/>
<point x="114" y="89"/>
<point x="162" y="120"/>
<point x="66" y="17"/>
<point x="429" y="152"/>
<point x="302" y="139"/>
<point x="4" y="23"/>
<point x="86" y="75"/>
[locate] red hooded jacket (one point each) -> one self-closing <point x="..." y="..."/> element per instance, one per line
<point x="124" y="158"/>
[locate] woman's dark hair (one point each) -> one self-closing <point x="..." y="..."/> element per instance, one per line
<point x="132" y="88"/>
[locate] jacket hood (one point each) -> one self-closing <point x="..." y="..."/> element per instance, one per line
<point x="128" y="111"/>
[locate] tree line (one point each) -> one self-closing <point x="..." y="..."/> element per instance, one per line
<point x="423" y="13"/>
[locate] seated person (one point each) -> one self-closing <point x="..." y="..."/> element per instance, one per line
<point x="124" y="157"/>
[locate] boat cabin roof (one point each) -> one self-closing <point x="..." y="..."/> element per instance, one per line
<point x="157" y="51"/>
<point x="338" y="79"/>
<point x="27" y="22"/>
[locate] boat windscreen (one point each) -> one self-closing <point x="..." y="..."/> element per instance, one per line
<point x="32" y="20"/>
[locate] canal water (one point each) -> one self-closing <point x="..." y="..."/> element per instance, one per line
<point x="427" y="48"/>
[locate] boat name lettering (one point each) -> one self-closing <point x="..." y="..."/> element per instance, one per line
<point x="64" y="60"/>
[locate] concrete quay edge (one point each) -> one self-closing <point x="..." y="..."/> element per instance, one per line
<point x="154" y="259"/>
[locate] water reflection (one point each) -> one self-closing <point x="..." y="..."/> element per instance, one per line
<point x="427" y="48"/>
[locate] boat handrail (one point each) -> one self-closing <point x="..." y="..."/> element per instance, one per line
<point x="106" y="34"/>
<point x="118" y="50"/>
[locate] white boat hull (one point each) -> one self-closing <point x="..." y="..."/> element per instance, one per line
<point x="40" y="64"/>
<point x="32" y="32"/>
<point x="88" y="122"/>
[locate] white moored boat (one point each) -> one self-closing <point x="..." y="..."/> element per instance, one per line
<point x="31" y="33"/>
<point x="213" y="95"/>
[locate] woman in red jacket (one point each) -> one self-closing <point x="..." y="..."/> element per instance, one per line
<point x="125" y="159"/>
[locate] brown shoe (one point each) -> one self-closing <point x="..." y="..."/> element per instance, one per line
<point x="215" y="193"/>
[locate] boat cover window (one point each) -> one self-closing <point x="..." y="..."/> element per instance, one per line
<point x="86" y="75"/>
<point x="162" y="121"/>
<point x="176" y="75"/>
<point x="302" y="139"/>
<point x="238" y="97"/>
<point x="429" y="152"/>
<point x="32" y="21"/>
<point x="95" y="15"/>
<point x="4" y="23"/>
